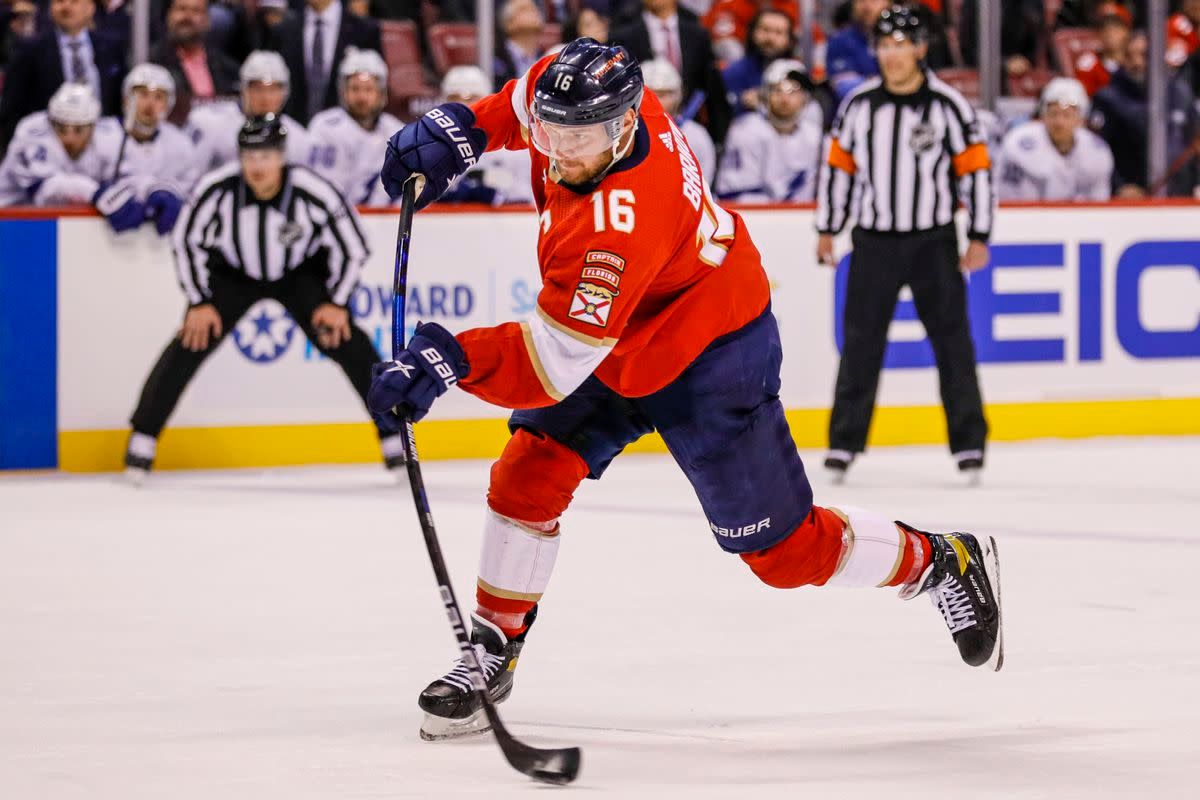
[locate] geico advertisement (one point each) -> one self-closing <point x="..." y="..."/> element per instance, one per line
<point x="1083" y="304"/>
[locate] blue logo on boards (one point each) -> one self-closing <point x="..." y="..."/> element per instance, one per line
<point x="264" y="334"/>
<point x="1113" y="301"/>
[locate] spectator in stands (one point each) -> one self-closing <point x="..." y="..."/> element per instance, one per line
<point x="1094" y="70"/>
<point x="1054" y="157"/>
<point x="771" y="157"/>
<point x="260" y="29"/>
<point x="519" y="44"/>
<point x="588" y="22"/>
<point x="848" y="58"/>
<point x="68" y="52"/>
<point x="1021" y="28"/>
<point x="54" y="158"/>
<point x="312" y="45"/>
<point x="1183" y="129"/>
<point x="1119" y="116"/>
<point x="663" y="79"/>
<point x="20" y="26"/>
<point x="771" y="37"/>
<point x="731" y="23"/>
<point x="1183" y="32"/>
<point x="502" y="176"/>
<point x="201" y="72"/>
<point x="663" y="31"/>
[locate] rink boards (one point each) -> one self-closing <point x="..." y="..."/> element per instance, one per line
<point x="1087" y="323"/>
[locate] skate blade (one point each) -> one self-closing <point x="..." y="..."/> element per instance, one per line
<point x="837" y="476"/>
<point x="135" y="477"/>
<point x="974" y="477"/>
<point x="440" y="729"/>
<point x="991" y="565"/>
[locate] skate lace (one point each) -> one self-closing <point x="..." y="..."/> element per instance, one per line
<point x="460" y="676"/>
<point x="955" y="605"/>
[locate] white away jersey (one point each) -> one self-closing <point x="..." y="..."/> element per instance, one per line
<point x="38" y="171"/>
<point x="348" y="156"/>
<point x="1032" y="168"/>
<point x="762" y="165"/>
<point x="213" y="129"/>
<point x="168" y="161"/>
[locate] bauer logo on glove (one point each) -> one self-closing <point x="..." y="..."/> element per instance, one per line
<point x="424" y="371"/>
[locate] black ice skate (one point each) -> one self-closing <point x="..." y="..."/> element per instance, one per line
<point x="837" y="462"/>
<point x="451" y="708"/>
<point x="963" y="582"/>
<point x="970" y="464"/>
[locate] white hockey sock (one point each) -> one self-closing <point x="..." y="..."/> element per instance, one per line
<point x="516" y="563"/>
<point x="872" y="549"/>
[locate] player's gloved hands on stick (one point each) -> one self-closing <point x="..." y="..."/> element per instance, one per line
<point x="163" y="207"/>
<point x="332" y="323"/>
<point x="426" y="369"/>
<point x="441" y="145"/>
<point x="119" y="204"/>
<point x="201" y="326"/>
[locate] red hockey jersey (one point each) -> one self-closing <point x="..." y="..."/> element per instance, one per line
<point x="1182" y="39"/>
<point x="639" y="275"/>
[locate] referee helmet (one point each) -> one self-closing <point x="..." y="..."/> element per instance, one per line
<point x="262" y="133"/>
<point x="899" y="22"/>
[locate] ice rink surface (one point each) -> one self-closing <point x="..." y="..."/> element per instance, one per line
<point x="265" y="634"/>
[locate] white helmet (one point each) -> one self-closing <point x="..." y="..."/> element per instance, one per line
<point x="74" y="104"/>
<point x="660" y="75"/>
<point x="1067" y="92"/>
<point x="359" y="62"/>
<point x="265" y="66"/>
<point x="153" y="77"/>
<point x="465" y="80"/>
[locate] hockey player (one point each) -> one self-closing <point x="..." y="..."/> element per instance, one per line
<point x="347" y="139"/>
<point x="156" y="164"/>
<point x="265" y="83"/>
<point x="772" y="157"/>
<point x="663" y="79"/>
<point x="502" y="176"/>
<point x="654" y="315"/>
<point x="1055" y="157"/>
<point x="54" y="158"/>
<point x="308" y="254"/>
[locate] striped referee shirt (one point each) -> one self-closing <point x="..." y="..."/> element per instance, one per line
<point x="906" y="161"/>
<point x="307" y="225"/>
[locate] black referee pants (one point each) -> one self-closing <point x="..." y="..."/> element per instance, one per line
<point x="300" y="292"/>
<point x="880" y="265"/>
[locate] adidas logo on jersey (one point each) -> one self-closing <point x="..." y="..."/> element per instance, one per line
<point x="665" y="138"/>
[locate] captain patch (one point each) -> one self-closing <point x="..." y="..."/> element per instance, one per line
<point x="606" y="258"/>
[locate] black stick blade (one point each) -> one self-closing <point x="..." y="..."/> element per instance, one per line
<point x="548" y="766"/>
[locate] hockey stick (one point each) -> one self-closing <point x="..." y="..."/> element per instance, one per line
<point x="548" y="766"/>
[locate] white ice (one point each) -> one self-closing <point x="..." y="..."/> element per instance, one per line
<point x="264" y="635"/>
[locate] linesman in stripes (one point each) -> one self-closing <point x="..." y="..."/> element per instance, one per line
<point x="907" y="149"/>
<point x="255" y="229"/>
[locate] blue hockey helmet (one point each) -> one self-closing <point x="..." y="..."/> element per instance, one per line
<point x="582" y="97"/>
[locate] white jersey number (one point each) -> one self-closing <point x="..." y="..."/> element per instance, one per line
<point x="620" y="211"/>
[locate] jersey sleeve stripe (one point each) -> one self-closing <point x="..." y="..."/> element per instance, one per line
<point x="562" y="361"/>
<point x="538" y="368"/>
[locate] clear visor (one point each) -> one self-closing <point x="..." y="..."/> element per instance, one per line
<point x="563" y="142"/>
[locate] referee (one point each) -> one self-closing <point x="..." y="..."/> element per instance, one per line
<point x="907" y="149"/>
<point x="256" y="229"/>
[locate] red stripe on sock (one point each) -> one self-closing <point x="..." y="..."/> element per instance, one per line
<point x="917" y="552"/>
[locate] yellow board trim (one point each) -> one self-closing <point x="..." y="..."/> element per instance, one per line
<point x="354" y="443"/>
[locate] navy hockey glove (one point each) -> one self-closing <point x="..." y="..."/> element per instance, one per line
<point x="119" y="204"/>
<point x="163" y="207"/>
<point x="423" y="372"/>
<point x="441" y="145"/>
